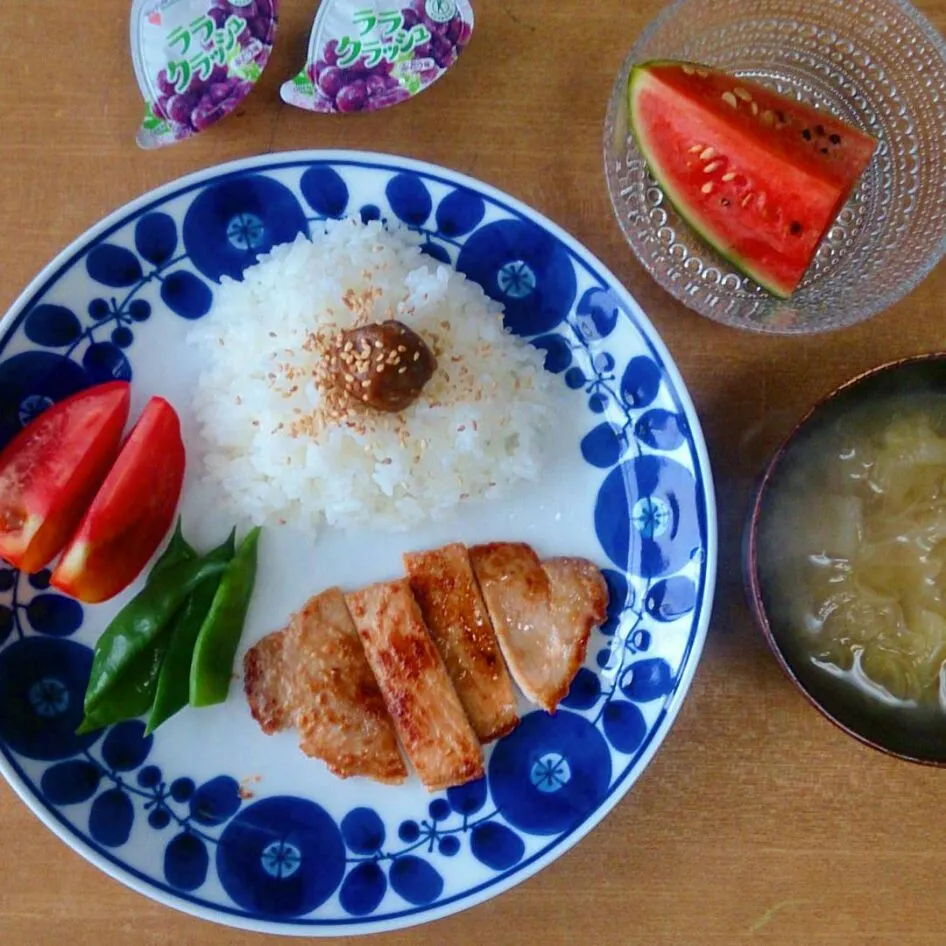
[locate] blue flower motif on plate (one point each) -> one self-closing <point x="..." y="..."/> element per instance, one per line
<point x="194" y="834"/>
<point x="524" y="267"/>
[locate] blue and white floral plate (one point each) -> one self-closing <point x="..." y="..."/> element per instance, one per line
<point x="211" y="816"/>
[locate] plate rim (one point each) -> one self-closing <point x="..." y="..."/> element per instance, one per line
<point x="296" y="926"/>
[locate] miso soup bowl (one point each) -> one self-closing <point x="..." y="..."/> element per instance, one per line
<point x="895" y="731"/>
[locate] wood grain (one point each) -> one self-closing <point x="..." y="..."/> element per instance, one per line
<point x="758" y="822"/>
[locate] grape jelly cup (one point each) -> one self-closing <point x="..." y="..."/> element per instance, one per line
<point x="196" y="60"/>
<point x="365" y="55"/>
<point x="903" y="733"/>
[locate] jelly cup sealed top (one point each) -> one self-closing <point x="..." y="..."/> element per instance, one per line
<point x="369" y="54"/>
<point x="196" y="60"/>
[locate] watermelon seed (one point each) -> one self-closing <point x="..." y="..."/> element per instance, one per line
<point x="824" y="150"/>
<point x="707" y="188"/>
<point x="688" y="70"/>
<point x="819" y="131"/>
<point x="835" y="139"/>
<point x="743" y="94"/>
<point x="712" y="166"/>
<point x="730" y="99"/>
<point x="729" y="175"/>
<point x="724" y="202"/>
<point x="795" y="228"/>
<point x="702" y="73"/>
<point x="781" y="117"/>
<point x="696" y="148"/>
<point x="806" y="134"/>
<point x="767" y="117"/>
<point x="745" y="200"/>
<point x="707" y="153"/>
<point x="754" y="107"/>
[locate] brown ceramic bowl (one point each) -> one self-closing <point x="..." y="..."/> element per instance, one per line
<point x="895" y="731"/>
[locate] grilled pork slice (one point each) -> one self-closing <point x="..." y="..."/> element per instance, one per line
<point x="427" y="713"/>
<point x="453" y="610"/>
<point x="542" y="614"/>
<point x="313" y="675"/>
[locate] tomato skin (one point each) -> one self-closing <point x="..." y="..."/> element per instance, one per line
<point x="51" y="469"/>
<point x="131" y="512"/>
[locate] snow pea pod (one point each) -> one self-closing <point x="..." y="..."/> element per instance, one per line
<point x="220" y="633"/>
<point x="178" y="550"/>
<point x="140" y="623"/>
<point x="133" y="693"/>
<point x="173" y="686"/>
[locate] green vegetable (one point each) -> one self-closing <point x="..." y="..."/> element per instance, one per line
<point x="133" y="692"/>
<point x="173" y="684"/>
<point x="220" y="634"/>
<point x="139" y="625"/>
<point x="178" y="550"/>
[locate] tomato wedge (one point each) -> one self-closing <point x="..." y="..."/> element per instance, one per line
<point x="131" y="512"/>
<point x="50" y="471"/>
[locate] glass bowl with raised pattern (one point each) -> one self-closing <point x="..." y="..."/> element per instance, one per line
<point x="877" y="64"/>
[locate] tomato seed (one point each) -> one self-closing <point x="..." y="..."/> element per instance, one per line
<point x="12" y="520"/>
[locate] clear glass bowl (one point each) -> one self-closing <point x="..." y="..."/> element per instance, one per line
<point x="878" y="64"/>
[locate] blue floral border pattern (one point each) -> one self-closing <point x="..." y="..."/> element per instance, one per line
<point x="285" y="858"/>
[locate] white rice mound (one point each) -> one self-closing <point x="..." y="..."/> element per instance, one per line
<point x="476" y="430"/>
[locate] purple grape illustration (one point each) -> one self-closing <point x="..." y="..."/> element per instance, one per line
<point x="332" y="80"/>
<point x="352" y="97"/>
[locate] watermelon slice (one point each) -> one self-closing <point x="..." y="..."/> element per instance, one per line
<point x="758" y="175"/>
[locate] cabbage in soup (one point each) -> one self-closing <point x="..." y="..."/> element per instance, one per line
<point x="852" y="550"/>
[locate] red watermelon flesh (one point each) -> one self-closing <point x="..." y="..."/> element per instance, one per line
<point x="760" y="176"/>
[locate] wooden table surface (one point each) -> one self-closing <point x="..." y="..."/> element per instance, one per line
<point x="758" y="821"/>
